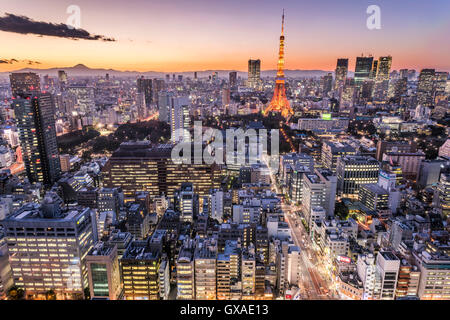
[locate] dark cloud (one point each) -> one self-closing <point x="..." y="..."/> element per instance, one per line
<point x="24" y="25"/>
<point x="11" y="61"/>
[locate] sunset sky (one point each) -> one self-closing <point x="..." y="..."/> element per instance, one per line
<point x="188" y="35"/>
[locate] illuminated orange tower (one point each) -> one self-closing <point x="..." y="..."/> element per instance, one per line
<point x="279" y="101"/>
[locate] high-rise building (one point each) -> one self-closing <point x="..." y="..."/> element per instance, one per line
<point x="186" y="271"/>
<point x="138" y="166"/>
<point x="140" y="270"/>
<point x="279" y="102"/>
<point x="216" y="201"/>
<point x="35" y="116"/>
<point x="332" y="151"/>
<point x="363" y="69"/>
<point x="186" y="201"/>
<point x="248" y="273"/>
<point x="145" y="86"/>
<point x="341" y="73"/>
<point x="355" y="171"/>
<point x="444" y="193"/>
<point x="382" y="79"/>
<point x="373" y="73"/>
<point x="103" y="272"/>
<point x="425" y="87"/>
<point x="388" y="266"/>
<point x="205" y="256"/>
<point x="233" y="79"/>
<point x="326" y="84"/>
<point x="108" y="199"/>
<point x="254" y="73"/>
<point x="6" y="279"/>
<point x="374" y="197"/>
<point x="319" y="190"/>
<point x="62" y="78"/>
<point x="433" y="264"/>
<point x="24" y="83"/>
<point x="228" y="271"/>
<point x="179" y="122"/>
<point x="400" y="89"/>
<point x="48" y="248"/>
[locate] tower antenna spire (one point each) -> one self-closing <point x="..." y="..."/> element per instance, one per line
<point x="282" y="23"/>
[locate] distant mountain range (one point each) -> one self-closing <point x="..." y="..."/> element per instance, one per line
<point x="80" y="70"/>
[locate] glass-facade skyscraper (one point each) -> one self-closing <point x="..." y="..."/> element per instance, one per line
<point x="36" y="123"/>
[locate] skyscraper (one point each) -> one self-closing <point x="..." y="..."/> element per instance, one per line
<point x="24" y="83"/>
<point x="254" y="73"/>
<point x="37" y="134"/>
<point x="62" y="78"/>
<point x="382" y="78"/>
<point x="374" y="71"/>
<point x="279" y="101"/>
<point x="341" y="73"/>
<point x="145" y="86"/>
<point x="384" y="68"/>
<point x="363" y="69"/>
<point x="425" y="87"/>
<point x="179" y="121"/>
<point x="233" y="79"/>
<point x="326" y="84"/>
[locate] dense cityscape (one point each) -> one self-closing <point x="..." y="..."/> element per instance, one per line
<point x="94" y="207"/>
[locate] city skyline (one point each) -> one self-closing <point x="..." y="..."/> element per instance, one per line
<point x="176" y="37"/>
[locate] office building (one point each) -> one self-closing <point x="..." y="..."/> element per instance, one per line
<point x="374" y="197"/>
<point x="216" y="205"/>
<point x="254" y="73"/>
<point x="232" y="79"/>
<point x="381" y="86"/>
<point x="103" y="272"/>
<point x="363" y="69"/>
<point x="186" y="201"/>
<point x="341" y="73"/>
<point x="59" y="241"/>
<point x="425" y="87"/>
<point x="140" y="270"/>
<point x="355" y="171"/>
<point x="36" y="123"/>
<point x="388" y="266"/>
<point x="434" y="274"/>
<point x="319" y="190"/>
<point x="138" y="166"/>
<point x="144" y="86"/>
<point x="443" y="190"/>
<point x="332" y="151"/>
<point x="179" y="123"/>
<point x="108" y="199"/>
<point x="248" y="273"/>
<point x="321" y="125"/>
<point x="228" y="271"/>
<point x="186" y="271"/>
<point x="205" y="256"/>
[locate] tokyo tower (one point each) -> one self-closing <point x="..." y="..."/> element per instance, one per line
<point x="279" y="101"/>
